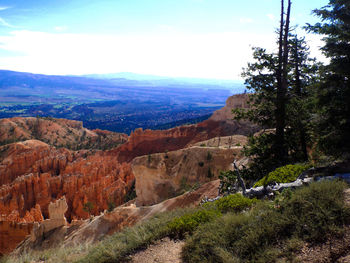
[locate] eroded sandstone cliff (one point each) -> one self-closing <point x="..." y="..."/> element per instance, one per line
<point x="34" y="173"/>
<point x="164" y="175"/>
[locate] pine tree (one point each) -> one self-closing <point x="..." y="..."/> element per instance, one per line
<point x="334" y="91"/>
<point x="280" y="86"/>
<point x="303" y="79"/>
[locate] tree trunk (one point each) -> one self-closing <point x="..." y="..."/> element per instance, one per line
<point x="282" y="86"/>
<point x="298" y="92"/>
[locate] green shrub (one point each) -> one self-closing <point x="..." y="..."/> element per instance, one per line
<point x="267" y="232"/>
<point x="189" y="222"/>
<point x="284" y="174"/>
<point x="231" y="203"/>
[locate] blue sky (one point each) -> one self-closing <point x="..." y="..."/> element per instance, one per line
<point x="180" y="38"/>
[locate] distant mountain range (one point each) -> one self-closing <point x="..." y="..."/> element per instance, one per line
<point x="153" y="79"/>
<point x="117" y="102"/>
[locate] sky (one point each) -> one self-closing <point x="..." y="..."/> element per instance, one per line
<point x="175" y="38"/>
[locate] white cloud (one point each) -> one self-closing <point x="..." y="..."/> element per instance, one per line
<point x="219" y="55"/>
<point x="4" y="8"/>
<point x="4" y="23"/>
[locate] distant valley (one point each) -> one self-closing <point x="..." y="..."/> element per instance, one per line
<point x="117" y="102"/>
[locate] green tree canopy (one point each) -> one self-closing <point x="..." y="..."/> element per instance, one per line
<point x="334" y="91"/>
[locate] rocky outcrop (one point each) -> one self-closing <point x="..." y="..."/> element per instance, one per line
<point x="233" y="102"/>
<point x="58" y="132"/>
<point x="56" y="219"/>
<point x="165" y="175"/>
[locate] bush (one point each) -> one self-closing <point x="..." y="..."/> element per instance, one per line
<point x="189" y="222"/>
<point x="231" y="203"/>
<point x="269" y="232"/>
<point x="284" y="174"/>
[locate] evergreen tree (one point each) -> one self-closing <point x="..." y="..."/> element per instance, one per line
<point x="263" y="78"/>
<point x="334" y="91"/>
<point x="303" y="79"/>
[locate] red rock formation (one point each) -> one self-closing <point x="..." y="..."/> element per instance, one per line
<point x="108" y="223"/>
<point x="33" y="173"/>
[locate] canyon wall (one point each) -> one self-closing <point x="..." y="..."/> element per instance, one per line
<point x="164" y="175"/>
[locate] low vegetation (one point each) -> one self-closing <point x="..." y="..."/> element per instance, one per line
<point x="231" y="203"/>
<point x="187" y="223"/>
<point x="284" y="174"/>
<point x="272" y="231"/>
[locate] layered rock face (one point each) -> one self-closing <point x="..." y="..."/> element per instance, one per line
<point x="56" y="219"/>
<point x="165" y="175"/>
<point x="58" y="132"/>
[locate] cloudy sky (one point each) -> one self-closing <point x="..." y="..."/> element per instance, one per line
<point x="178" y="38"/>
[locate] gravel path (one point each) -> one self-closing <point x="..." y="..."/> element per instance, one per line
<point x="163" y="251"/>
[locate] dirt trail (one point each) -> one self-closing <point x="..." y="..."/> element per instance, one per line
<point x="165" y="250"/>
